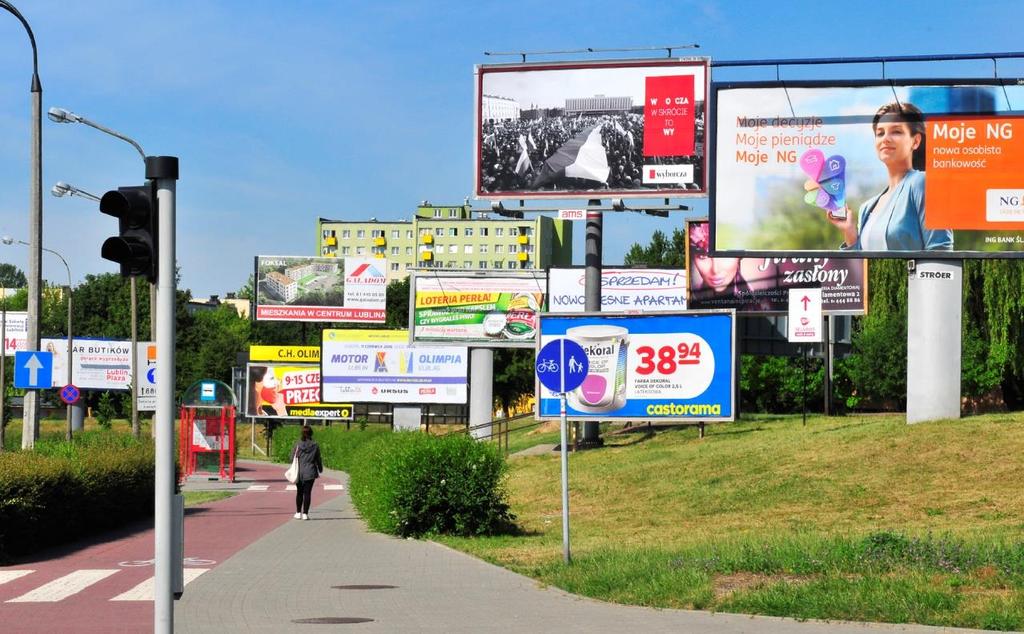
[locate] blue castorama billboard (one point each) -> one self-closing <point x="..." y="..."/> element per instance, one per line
<point x="647" y="367"/>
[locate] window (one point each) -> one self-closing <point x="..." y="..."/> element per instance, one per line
<point x="497" y="264"/>
<point x="453" y="248"/>
<point x="450" y="264"/>
<point x="499" y="231"/>
<point x="361" y="233"/>
<point x="526" y="231"/>
<point x="408" y="250"/>
<point x="345" y="250"/>
<point x="468" y="248"/>
<point x="483" y="264"/>
<point x="499" y="248"/>
<point x="345" y="233"/>
<point x="453" y="232"/>
<point x="437" y="213"/>
<point x="408" y="233"/>
<point x="394" y="266"/>
<point x="511" y="264"/>
<point x="468" y="232"/>
<point x="394" y="250"/>
<point x="395" y="233"/>
<point x="526" y="248"/>
<point x="483" y="248"/>
<point x="466" y="264"/>
<point x="360" y="250"/>
<point x="439" y="232"/>
<point x="483" y="231"/>
<point x="377" y="233"/>
<point x="453" y="213"/>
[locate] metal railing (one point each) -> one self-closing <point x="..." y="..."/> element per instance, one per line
<point x="499" y="428"/>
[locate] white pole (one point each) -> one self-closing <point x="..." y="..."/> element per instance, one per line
<point x="164" y="169"/>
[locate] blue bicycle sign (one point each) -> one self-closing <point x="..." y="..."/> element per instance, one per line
<point x="562" y="365"/>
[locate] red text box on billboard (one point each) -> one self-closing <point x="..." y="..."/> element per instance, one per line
<point x="619" y="128"/>
<point x="905" y="169"/>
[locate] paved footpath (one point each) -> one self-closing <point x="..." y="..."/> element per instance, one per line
<point x="331" y="574"/>
<point x="105" y="584"/>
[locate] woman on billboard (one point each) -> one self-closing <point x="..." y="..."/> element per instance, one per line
<point x="717" y="282"/>
<point x="893" y="220"/>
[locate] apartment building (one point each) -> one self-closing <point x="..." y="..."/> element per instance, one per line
<point x="450" y="237"/>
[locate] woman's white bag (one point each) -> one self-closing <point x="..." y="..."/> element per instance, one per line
<point x="292" y="473"/>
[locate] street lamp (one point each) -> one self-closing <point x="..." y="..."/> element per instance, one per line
<point x="61" y="189"/>
<point x="10" y="240"/>
<point x="30" y="415"/>
<point x="60" y="115"/>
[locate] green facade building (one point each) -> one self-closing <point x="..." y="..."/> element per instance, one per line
<point x="450" y="238"/>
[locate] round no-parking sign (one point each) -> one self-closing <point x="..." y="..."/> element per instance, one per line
<point x="70" y="394"/>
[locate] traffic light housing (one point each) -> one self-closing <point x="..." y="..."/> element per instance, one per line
<point x="136" y="246"/>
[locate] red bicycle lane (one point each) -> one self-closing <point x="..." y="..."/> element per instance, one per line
<point x="104" y="583"/>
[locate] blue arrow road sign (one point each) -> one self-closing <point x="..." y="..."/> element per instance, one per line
<point x="33" y="370"/>
<point x="562" y="365"/>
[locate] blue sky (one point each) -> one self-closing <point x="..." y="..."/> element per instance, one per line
<point x="285" y="111"/>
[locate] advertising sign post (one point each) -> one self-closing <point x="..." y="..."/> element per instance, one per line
<point x="562" y="365"/>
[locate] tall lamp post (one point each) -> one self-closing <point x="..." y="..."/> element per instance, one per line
<point x="30" y="417"/>
<point x="61" y="189"/>
<point x="60" y="115"/>
<point x="10" y="240"/>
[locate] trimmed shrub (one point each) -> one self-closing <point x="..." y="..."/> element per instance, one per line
<point x="337" y="444"/>
<point x="63" y="491"/>
<point x="414" y="484"/>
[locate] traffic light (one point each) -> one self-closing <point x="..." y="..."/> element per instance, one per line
<point x="135" y="249"/>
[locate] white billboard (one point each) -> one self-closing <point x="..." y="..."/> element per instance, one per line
<point x="375" y="366"/>
<point x="98" y="364"/>
<point x="16" y="332"/>
<point x="622" y="290"/>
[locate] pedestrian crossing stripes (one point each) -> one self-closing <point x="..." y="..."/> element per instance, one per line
<point x="259" y="487"/>
<point x="333" y="487"/>
<point x="11" y="575"/>
<point x="290" y="487"/>
<point x="145" y="590"/>
<point x="79" y="580"/>
<point x="64" y="587"/>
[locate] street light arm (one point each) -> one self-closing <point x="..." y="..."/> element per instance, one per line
<point x="36" y="84"/>
<point x="62" y="260"/>
<point x="102" y="128"/>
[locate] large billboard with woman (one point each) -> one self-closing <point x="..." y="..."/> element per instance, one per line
<point x="915" y="169"/>
<point x="614" y="128"/>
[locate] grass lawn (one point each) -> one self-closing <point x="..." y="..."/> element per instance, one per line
<point x="861" y="518"/>
<point x="192" y="498"/>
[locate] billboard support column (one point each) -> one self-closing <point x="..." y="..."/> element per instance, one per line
<point x="481" y="391"/>
<point x="934" y="296"/>
<point x="826" y="354"/>
<point x="592" y="294"/>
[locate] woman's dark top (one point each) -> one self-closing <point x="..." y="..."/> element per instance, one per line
<point x="310" y="465"/>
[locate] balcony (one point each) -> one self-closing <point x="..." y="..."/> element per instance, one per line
<point x="379" y="241"/>
<point x="427" y="255"/>
<point x="523" y="256"/>
<point x="523" y="239"/>
<point x="428" y="238"/>
<point x="330" y="241"/>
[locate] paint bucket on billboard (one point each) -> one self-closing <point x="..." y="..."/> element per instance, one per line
<point x="604" y="388"/>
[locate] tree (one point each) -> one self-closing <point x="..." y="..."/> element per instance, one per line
<point x="513" y="375"/>
<point x="12" y="277"/>
<point x="661" y="251"/>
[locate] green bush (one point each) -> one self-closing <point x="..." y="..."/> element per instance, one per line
<point x="64" y="491"/>
<point x="337" y="444"/>
<point x="413" y="484"/>
<point x="105" y="410"/>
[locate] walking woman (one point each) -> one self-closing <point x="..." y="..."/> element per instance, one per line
<point x="310" y="467"/>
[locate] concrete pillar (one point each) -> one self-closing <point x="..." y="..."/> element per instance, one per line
<point x="934" y="297"/>
<point x="78" y="416"/>
<point x="481" y="391"/>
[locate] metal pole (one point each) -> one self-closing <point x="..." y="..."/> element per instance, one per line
<point x="565" y="482"/>
<point x="804" y="389"/>
<point x="592" y="291"/>
<point x="71" y="348"/>
<point x="135" y="359"/>
<point x="164" y="170"/>
<point x="827" y="369"/>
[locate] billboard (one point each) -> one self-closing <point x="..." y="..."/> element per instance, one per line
<point x="288" y="391"/>
<point x="761" y="284"/>
<point x="489" y="309"/>
<point x="669" y="367"/>
<point x="911" y="169"/>
<point x="15" y="331"/>
<point x="99" y="364"/>
<point x="145" y="364"/>
<point x="379" y="366"/>
<point x="622" y="290"/>
<point x="614" y="128"/>
<point x="296" y="288"/>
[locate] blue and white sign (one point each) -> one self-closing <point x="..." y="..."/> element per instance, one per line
<point x="675" y="367"/>
<point x="207" y="391"/>
<point x="622" y="290"/>
<point x="33" y="370"/>
<point x="562" y="365"/>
